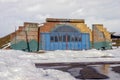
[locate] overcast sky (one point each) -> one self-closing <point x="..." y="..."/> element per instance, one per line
<point x="14" y="13"/>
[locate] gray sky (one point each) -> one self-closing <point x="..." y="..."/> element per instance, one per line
<point x="14" y="13"/>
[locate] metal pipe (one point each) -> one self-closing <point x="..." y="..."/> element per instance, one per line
<point x="38" y="46"/>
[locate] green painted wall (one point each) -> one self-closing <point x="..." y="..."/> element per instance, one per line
<point x="33" y="44"/>
<point x="22" y="45"/>
<point x="101" y="45"/>
<point x="91" y="45"/>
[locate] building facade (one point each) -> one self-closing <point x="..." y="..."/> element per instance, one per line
<point x="60" y="34"/>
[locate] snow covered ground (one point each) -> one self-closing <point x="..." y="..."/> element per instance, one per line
<point x="19" y="65"/>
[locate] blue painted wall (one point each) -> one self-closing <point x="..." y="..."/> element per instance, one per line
<point x="68" y="41"/>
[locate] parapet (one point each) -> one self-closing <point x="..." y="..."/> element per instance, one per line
<point x="65" y="20"/>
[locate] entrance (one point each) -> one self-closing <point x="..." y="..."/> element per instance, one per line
<point x="65" y="38"/>
<point x="65" y="41"/>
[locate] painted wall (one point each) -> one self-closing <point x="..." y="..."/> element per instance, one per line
<point x="25" y="38"/>
<point x="29" y="34"/>
<point x="101" y="37"/>
<point x="23" y="45"/>
<point x="65" y="41"/>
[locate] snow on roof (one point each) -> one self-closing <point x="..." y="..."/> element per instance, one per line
<point x="116" y="34"/>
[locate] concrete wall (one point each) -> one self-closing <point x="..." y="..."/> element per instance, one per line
<point x="25" y="37"/>
<point x="29" y="33"/>
<point x="101" y="37"/>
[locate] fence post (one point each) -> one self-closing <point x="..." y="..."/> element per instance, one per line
<point x="105" y="69"/>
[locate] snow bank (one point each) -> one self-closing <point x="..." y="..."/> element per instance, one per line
<point x="19" y="65"/>
<point x="13" y="67"/>
<point x="115" y="52"/>
<point x="67" y="56"/>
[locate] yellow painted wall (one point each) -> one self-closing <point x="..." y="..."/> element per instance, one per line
<point x="83" y="28"/>
<point x="101" y="29"/>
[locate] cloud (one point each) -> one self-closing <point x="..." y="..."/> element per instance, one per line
<point x="42" y="17"/>
<point x="79" y="12"/>
<point x="34" y="8"/>
<point x="4" y="1"/>
<point x="16" y="12"/>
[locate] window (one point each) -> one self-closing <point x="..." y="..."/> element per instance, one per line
<point x="56" y="38"/>
<point x="68" y="38"/>
<point x="73" y="39"/>
<point x="60" y="38"/>
<point x="52" y="38"/>
<point x="79" y="39"/>
<point x="101" y="34"/>
<point x="64" y="38"/>
<point x="76" y="38"/>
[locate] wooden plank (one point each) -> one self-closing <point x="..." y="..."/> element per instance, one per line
<point x="76" y="63"/>
<point x="65" y="20"/>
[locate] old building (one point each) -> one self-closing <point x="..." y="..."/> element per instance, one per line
<point x="60" y="34"/>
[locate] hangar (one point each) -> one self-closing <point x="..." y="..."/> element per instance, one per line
<point x="60" y="34"/>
